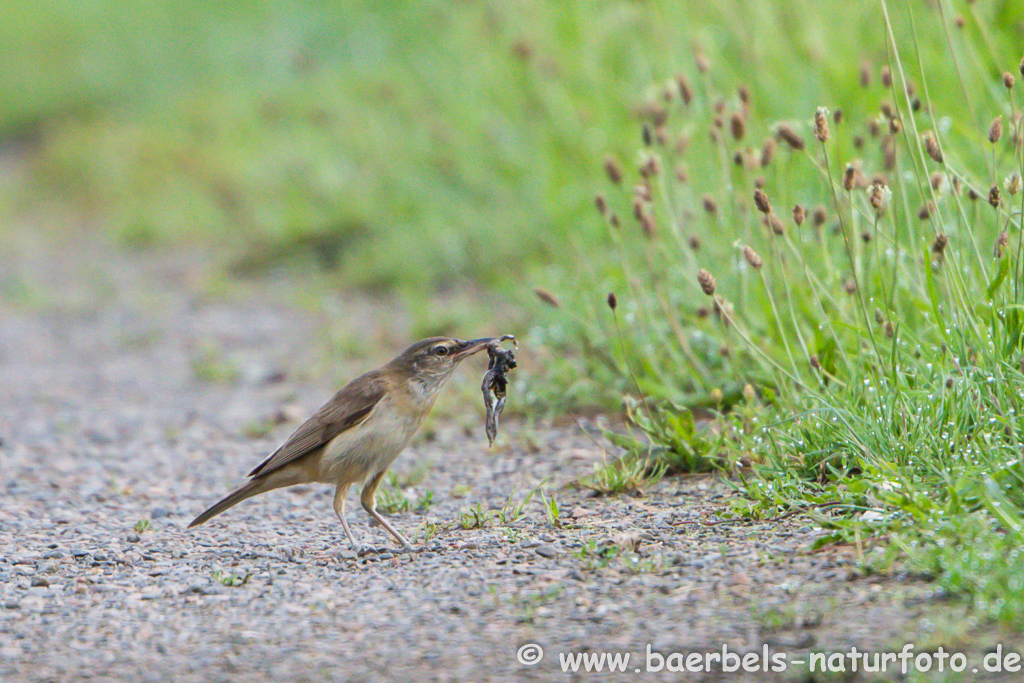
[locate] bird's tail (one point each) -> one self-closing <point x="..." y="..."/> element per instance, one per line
<point x="254" y="487"/>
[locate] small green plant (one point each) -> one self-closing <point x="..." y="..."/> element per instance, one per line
<point x="551" y="509"/>
<point x="597" y="554"/>
<point x="393" y="498"/>
<point x="424" y="502"/>
<point x="511" y="512"/>
<point x="409" y="479"/>
<point x="479" y="517"/>
<point x="631" y="474"/>
<point x="431" y="530"/>
<point x="526" y="606"/>
<point x="142" y="526"/>
<point x="392" y="501"/>
<point x="511" y="533"/>
<point x="644" y="565"/>
<point x="231" y="580"/>
<point x="476" y="517"/>
<point x="774" y="618"/>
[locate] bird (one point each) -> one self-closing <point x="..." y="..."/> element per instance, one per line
<point x="357" y="435"/>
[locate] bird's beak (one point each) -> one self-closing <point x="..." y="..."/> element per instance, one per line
<point x="468" y="348"/>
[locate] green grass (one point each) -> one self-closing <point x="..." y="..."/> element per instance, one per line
<point x="864" y="365"/>
<point x="479" y="517"/>
<point x="597" y="554"/>
<point x="632" y="475"/>
<point x="398" y="496"/>
<point x="229" y="579"/>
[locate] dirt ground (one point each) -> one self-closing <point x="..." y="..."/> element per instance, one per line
<point x="136" y="389"/>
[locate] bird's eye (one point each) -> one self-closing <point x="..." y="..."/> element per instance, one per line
<point x="440" y="350"/>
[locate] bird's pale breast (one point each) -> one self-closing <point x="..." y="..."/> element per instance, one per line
<point x="371" y="446"/>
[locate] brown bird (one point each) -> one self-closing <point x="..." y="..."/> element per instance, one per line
<point x="356" y="435"/>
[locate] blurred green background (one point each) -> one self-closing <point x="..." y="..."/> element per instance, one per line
<point x="401" y="144"/>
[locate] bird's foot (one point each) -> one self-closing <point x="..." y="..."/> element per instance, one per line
<point x="365" y="549"/>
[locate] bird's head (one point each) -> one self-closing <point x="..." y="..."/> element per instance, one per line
<point x="429" y="362"/>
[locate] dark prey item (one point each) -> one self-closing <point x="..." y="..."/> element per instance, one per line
<point x="495" y="383"/>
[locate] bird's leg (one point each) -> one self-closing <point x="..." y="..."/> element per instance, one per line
<point x="339" y="507"/>
<point x="368" y="499"/>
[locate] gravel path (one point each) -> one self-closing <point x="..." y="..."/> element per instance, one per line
<point x="135" y="390"/>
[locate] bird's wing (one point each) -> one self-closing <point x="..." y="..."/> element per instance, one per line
<point x="348" y="408"/>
